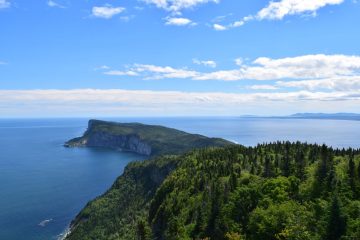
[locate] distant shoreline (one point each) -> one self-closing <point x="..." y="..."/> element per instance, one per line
<point x="319" y="116"/>
<point x="301" y="118"/>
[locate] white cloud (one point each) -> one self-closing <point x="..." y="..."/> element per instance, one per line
<point x="178" y="21"/>
<point x="262" y="87"/>
<point x="278" y="10"/>
<point x="158" y="72"/>
<point x="116" y="102"/>
<point x="312" y="66"/>
<point x="4" y="4"/>
<point x="106" y="11"/>
<point x="297" y="68"/>
<point x="175" y="6"/>
<point x="121" y="73"/>
<point x="239" y="61"/>
<point x="302" y="67"/>
<point x="236" y="24"/>
<point x="350" y="83"/>
<point x="3" y="63"/>
<point x="51" y="3"/>
<point x="206" y="63"/>
<point x="219" y="27"/>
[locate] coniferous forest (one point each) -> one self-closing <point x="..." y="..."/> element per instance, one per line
<point x="276" y="191"/>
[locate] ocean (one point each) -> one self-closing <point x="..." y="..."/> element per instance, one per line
<point x="43" y="185"/>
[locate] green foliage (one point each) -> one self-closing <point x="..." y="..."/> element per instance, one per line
<point x="281" y="191"/>
<point x="121" y="213"/>
<point x="277" y="191"/>
<point x="287" y="220"/>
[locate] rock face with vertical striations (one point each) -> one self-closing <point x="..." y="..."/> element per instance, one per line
<point x="139" y="138"/>
<point x="131" y="142"/>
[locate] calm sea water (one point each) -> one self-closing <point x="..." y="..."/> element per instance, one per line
<point x="44" y="185"/>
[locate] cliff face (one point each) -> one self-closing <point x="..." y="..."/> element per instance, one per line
<point x="131" y="142"/>
<point x="106" y="139"/>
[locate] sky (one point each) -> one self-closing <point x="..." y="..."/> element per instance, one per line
<point x="95" y="58"/>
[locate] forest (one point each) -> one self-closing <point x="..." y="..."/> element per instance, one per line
<point x="274" y="191"/>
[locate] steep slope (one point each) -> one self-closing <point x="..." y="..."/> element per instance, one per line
<point x="116" y="214"/>
<point x="143" y="139"/>
<point x="120" y="211"/>
<point x="273" y="191"/>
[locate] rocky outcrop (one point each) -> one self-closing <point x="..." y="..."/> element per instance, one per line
<point x="129" y="142"/>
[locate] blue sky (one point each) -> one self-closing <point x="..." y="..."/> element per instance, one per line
<point x="178" y="57"/>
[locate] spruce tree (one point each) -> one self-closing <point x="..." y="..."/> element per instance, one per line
<point x="336" y="223"/>
<point x="351" y="172"/>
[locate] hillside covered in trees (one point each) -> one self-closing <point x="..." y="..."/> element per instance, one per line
<point x="272" y="191"/>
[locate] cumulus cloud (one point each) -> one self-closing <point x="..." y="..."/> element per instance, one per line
<point x="158" y="72"/>
<point x="175" y="6"/>
<point x="350" y="83"/>
<point x="144" y="102"/>
<point x="121" y="73"/>
<point x="4" y="4"/>
<point x="277" y="10"/>
<point x="308" y="67"/>
<point x="302" y="67"/>
<point x="219" y="27"/>
<point x="106" y="11"/>
<point x="175" y="21"/>
<point x="206" y="63"/>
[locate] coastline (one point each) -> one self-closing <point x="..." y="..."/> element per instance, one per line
<point x="64" y="234"/>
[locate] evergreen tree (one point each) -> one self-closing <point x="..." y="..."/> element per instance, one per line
<point x="286" y="164"/>
<point x="267" y="169"/>
<point x="300" y="164"/>
<point x="351" y="172"/>
<point x="336" y="222"/>
<point x="142" y="231"/>
<point x="331" y="176"/>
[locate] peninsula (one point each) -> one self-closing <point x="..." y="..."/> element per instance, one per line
<point x="149" y="140"/>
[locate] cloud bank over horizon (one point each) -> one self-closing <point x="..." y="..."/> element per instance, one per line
<point x="120" y="102"/>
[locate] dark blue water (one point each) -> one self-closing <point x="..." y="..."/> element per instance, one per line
<point x="41" y="180"/>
